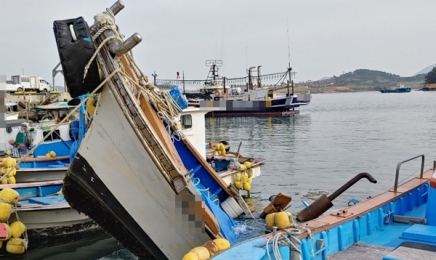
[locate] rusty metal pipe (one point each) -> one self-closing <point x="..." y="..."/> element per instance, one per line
<point x="324" y="203"/>
<point x="350" y="183"/>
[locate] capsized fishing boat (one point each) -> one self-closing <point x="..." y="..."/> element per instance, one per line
<point x="397" y="224"/>
<point x="192" y="123"/>
<point x="129" y="175"/>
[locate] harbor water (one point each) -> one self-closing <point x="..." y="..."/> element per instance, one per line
<point x="334" y="138"/>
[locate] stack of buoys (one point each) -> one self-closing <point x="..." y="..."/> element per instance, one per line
<point x="221" y="149"/>
<point x="282" y="220"/>
<point x="11" y="234"/>
<point x="50" y="154"/>
<point x="9" y="165"/>
<point x="208" y="249"/>
<point x="243" y="178"/>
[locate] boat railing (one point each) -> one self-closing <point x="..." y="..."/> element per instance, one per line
<point x="397" y="174"/>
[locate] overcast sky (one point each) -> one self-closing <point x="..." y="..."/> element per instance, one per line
<point x="326" y="38"/>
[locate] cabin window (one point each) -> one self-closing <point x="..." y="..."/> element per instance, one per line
<point x="53" y="136"/>
<point x="186" y="121"/>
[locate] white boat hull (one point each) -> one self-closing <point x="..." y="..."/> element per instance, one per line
<point x="132" y="183"/>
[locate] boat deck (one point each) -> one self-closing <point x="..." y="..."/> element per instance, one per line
<point x="396" y="241"/>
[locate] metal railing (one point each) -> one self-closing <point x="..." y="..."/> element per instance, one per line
<point x="397" y="174"/>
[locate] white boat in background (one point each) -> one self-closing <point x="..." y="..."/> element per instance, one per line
<point x="192" y="122"/>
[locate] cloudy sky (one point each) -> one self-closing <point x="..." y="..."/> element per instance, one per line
<point x="326" y="38"/>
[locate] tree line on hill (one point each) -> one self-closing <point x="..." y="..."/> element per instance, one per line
<point x="369" y="78"/>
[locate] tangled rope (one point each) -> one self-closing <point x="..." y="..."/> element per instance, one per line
<point x="162" y="101"/>
<point x="285" y="239"/>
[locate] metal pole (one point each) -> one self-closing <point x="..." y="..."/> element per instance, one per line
<point x="183" y="72"/>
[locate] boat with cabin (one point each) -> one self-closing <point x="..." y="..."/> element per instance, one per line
<point x="192" y="123"/>
<point x="246" y="96"/>
<point x="399" y="89"/>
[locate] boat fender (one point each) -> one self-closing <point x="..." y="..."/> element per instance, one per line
<point x="269" y="220"/>
<point x="250" y="173"/>
<point x="5" y="211"/>
<point x="248" y="164"/>
<point x="16" y="246"/>
<point x="9" y="195"/>
<point x="9" y="162"/>
<point x="17" y="228"/>
<point x="226" y="144"/>
<point x="90" y="106"/>
<point x="75" y="48"/>
<point x="231" y="207"/>
<point x="12" y="180"/>
<point x="283" y="220"/>
<point x="222" y="244"/>
<point x="211" y="247"/>
<point x="201" y="252"/>
<point x="5" y="232"/>
<point x="190" y="256"/>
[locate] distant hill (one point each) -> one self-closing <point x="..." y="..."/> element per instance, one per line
<point x="425" y="70"/>
<point x="368" y="79"/>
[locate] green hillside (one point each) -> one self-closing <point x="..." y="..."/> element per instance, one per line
<point x="364" y="79"/>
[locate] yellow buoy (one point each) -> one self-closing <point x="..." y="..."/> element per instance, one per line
<point x="244" y="178"/>
<point x="5" y="211"/>
<point x="202" y="252"/>
<point x="238" y="185"/>
<point x="10" y="162"/>
<point x="9" y="195"/>
<point x="17" y="228"/>
<point x="11" y="180"/>
<point x="283" y="220"/>
<point x="269" y="219"/>
<point x="242" y="167"/>
<point x="47" y="155"/>
<point x="250" y="173"/>
<point x="16" y="246"/>
<point x="4" y="170"/>
<point x="237" y="176"/>
<point x="90" y="107"/>
<point x="250" y="180"/>
<point x="211" y="247"/>
<point x="52" y="154"/>
<point x="222" y="244"/>
<point x="4" y="160"/>
<point x="4" y="181"/>
<point x="190" y="256"/>
<point x="247" y="186"/>
<point x="12" y="172"/>
<point x="247" y="164"/>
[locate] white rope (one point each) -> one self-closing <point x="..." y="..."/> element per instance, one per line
<point x="26" y="237"/>
<point x="281" y="236"/>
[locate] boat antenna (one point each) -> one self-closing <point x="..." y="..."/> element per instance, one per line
<point x="289" y="57"/>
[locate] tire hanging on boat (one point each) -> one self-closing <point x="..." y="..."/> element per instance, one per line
<point x="75" y="47"/>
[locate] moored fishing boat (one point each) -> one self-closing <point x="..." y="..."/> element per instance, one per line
<point x="140" y="188"/>
<point x="397" y="224"/>
<point x="246" y="96"/>
<point x="192" y="123"/>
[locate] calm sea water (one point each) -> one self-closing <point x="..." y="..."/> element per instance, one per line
<point x="334" y="138"/>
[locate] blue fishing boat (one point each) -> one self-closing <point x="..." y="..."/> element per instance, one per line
<point x="397" y="224"/>
<point x="399" y="89"/>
